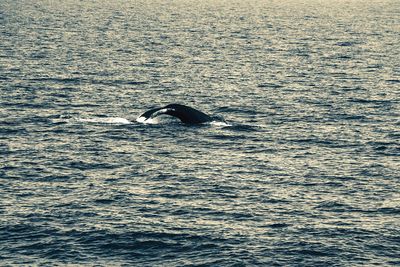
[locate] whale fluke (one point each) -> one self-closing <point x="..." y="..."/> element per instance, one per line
<point x="186" y="114"/>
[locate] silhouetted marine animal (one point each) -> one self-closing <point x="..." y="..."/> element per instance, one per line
<point x="186" y="114"/>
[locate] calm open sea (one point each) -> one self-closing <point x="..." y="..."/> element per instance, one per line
<point x="308" y="173"/>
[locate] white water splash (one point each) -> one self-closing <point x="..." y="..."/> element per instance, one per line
<point x="105" y="120"/>
<point x="220" y="123"/>
<point x="145" y="120"/>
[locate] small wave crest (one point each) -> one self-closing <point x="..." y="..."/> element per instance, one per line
<point x="244" y="128"/>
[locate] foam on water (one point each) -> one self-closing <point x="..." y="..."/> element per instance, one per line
<point x="145" y="120"/>
<point x="220" y="124"/>
<point x="105" y="120"/>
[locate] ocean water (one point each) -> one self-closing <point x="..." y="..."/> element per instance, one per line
<point x="306" y="173"/>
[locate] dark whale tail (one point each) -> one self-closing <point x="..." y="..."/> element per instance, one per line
<point x="186" y="114"/>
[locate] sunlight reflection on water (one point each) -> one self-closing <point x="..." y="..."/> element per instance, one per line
<point x="305" y="172"/>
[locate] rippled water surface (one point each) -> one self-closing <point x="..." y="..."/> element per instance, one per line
<point x="307" y="173"/>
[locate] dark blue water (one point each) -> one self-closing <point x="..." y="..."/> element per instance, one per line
<point x="306" y="174"/>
